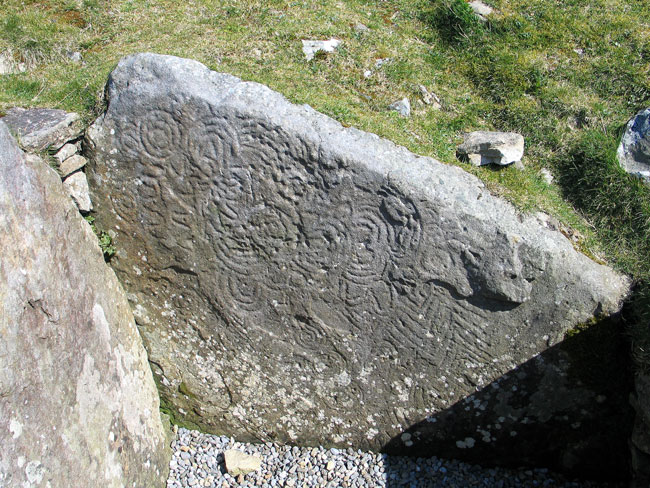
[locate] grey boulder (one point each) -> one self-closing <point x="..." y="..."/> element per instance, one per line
<point x="482" y="147"/>
<point x="634" y="150"/>
<point x="78" y="405"/>
<point x="298" y="281"/>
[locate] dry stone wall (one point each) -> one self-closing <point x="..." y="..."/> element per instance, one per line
<point x="299" y="281"/>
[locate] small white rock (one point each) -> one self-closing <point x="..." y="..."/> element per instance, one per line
<point x="382" y="61"/>
<point x="480" y="9"/>
<point x="311" y="47"/>
<point x="546" y="176"/>
<point x="482" y="147"/>
<point x="238" y="462"/>
<point x="74" y="56"/>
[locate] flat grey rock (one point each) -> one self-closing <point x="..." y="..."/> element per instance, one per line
<point x="77" y="187"/>
<point x="634" y="149"/>
<point x="78" y="404"/>
<point x="40" y="128"/>
<point x="71" y="164"/>
<point x="402" y="107"/>
<point x="483" y="147"/>
<point x="300" y="281"/>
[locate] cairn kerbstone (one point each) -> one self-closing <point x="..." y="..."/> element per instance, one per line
<point x="303" y="282"/>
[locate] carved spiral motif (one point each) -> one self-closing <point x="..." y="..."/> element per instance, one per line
<point x="156" y="135"/>
<point x="241" y="291"/>
<point x="370" y="239"/>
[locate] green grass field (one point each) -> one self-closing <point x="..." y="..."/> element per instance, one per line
<point x="567" y="74"/>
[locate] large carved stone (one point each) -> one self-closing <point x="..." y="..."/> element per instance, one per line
<point x="78" y="404"/>
<point x="300" y="281"/>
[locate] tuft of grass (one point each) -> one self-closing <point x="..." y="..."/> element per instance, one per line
<point x="105" y="240"/>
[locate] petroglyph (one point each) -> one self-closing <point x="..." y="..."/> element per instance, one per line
<point x="313" y="267"/>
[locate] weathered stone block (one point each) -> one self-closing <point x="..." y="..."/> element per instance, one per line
<point x="40" y="128"/>
<point x="299" y="281"/>
<point x="78" y="405"/>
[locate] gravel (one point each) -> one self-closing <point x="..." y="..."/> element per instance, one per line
<point x="198" y="462"/>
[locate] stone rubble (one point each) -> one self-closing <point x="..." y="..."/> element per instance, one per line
<point x="429" y="98"/>
<point x="198" y="461"/>
<point x="67" y="151"/>
<point x="55" y="130"/>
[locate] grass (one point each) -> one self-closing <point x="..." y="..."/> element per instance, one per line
<point x="566" y="74"/>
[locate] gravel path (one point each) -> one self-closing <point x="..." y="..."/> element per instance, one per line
<point x="198" y="462"/>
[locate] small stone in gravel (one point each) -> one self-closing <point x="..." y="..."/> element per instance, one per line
<point x="240" y="463"/>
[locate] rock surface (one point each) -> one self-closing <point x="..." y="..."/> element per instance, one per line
<point x="78" y="405"/>
<point x="298" y="281"/>
<point x="40" y="128"/>
<point x="634" y="150"/>
<point x="77" y="187"/>
<point x="483" y="147"/>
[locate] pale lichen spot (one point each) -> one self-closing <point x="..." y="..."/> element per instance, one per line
<point x="16" y="428"/>
<point x="101" y="324"/>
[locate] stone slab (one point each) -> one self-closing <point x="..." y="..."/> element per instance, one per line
<point x="78" y="404"/>
<point x="303" y="282"/>
<point x="40" y="128"/>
